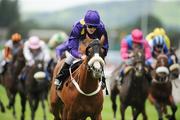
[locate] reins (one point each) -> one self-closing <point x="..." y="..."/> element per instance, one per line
<point x="79" y="89"/>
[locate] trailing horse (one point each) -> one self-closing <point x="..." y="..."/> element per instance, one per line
<point x="161" y="88"/>
<point x="134" y="89"/>
<point x="10" y="77"/>
<point x="35" y="88"/>
<point x="81" y="95"/>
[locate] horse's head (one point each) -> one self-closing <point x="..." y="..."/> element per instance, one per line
<point x="37" y="70"/>
<point x="139" y="62"/>
<point x="95" y="58"/>
<point x="161" y="69"/>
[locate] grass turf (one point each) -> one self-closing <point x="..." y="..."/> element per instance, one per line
<point x="107" y="113"/>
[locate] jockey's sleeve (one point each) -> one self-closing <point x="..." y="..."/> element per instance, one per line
<point x="105" y="44"/>
<point x="124" y="49"/>
<point x="147" y="50"/>
<point x="73" y="42"/>
<point x="26" y="52"/>
<point x="60" y="49"/>
<point x="165" y="49"/>
<point x="46" y="52"/>
<point x="9" y="44"/>
<point x="149" y="61"/>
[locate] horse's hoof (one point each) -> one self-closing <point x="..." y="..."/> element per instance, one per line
<point x="3" y="110"/>
<point x="8" y="107"/>
<point x="172" y="118"/>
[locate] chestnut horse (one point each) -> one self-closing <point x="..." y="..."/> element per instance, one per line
<point x="134" y="89"/>
<point x="81" y="95"/>
<point x="160" y="93"/>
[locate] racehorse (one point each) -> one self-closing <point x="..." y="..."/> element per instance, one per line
<point x="134" y="89"/>
<point x="81" y="95"/>
<point x="174" y="68"/>
<point x="10" y="77"/>
<point x="160" y="93"/>
<point x="35" y="90"/>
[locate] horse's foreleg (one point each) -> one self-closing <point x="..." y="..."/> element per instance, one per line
<point x="122" y="109"/>
<point x="13" y="105"/>
<point x="55" y="107"/>
<point x="33" y="105"/>
<point x="2" y="107"/>
<point x="144" y="113"/>
<point x="173" y="108"/>
<point x="159" y="110"/>
<point x="135" y="113"/>
<point x="44" y="107"/>
<point x="23" y="105"/>
<point x="114" y="105"/>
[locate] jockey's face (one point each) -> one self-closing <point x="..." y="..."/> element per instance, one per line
<point x="15" y="42"/>
<point x="35" y="51"/>
<point x="91" y="29"/>
<point x="136" y="45"/>
<point x="158" y="48"/>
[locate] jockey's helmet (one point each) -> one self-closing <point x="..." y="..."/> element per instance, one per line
<point x="34" y="42"/>
<point x="92" y="18"/>
<point x="57" y="39"/>
<point x="137" y="36"/>
<point x="158" y="41"/>
<point x="159" y="31"/>
<point x="16" y="37"/>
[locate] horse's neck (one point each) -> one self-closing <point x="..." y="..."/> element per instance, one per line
<point x="86" y="82"/>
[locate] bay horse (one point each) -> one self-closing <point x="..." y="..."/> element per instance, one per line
<point x="10" y="78"/>
<point x="174" y="67"/>
<point x="81" y="95"/>
<point x="160" y="93"/>
<point x="134" y="89"/>
<point x="35" y="90"/>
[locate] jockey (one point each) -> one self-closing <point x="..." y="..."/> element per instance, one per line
<point x="159" y="43"/>
<point x="157" y="32"/>
<point x="130" y="42"/>
<point x="34" y="49"/>
<point x="57" y="41"/>
<point x="11" y="48"/>
<point x="89" y="27"/>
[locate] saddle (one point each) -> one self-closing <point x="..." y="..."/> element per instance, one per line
<point x="74" y="66"/>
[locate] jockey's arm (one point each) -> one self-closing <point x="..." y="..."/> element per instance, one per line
<point x="104" y="44"/>
<point x="27" y="53"/>
<point x="124" y="50"/>
<point x="7" y="53"/>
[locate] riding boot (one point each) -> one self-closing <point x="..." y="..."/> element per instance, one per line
<point x="61" y="77"/>
<point x="104" y="84"/>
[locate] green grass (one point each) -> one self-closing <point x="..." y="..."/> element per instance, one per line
<point x="107" y="113"/>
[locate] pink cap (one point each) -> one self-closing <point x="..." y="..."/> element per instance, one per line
<point x="34" y="42"/>
<point x="137" y="35"/>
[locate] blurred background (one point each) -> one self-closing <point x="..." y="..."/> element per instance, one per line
<point x="47" y="17"/>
